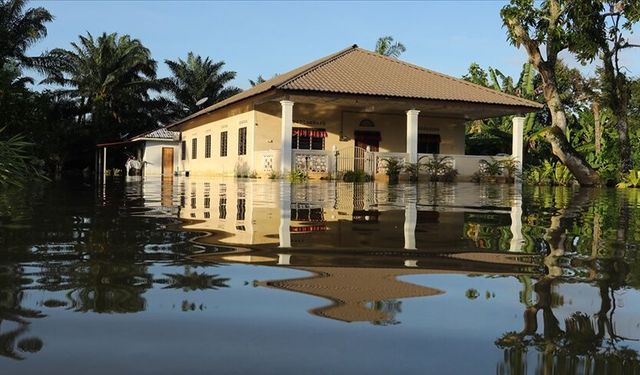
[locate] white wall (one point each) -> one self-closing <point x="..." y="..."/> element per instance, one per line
<point x="153" y="156"/>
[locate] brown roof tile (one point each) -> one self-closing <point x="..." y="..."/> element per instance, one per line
<point x="357" y="71"/>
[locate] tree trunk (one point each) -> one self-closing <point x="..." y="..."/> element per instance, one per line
<point x="556" y="134"/>
<point x="622" y="126"/>
<point x="581" y="170"/>
<point x="595" y="109"/>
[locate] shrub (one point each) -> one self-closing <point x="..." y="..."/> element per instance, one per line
<point x="356" y="176"/>
<point x="439" y="168"/>
<point x="630" y="180"/>
<point x="413" y="169"/>
<point x="393" y="168"/>
<point x="298" y="176"/>
<point x="273" y="175"/>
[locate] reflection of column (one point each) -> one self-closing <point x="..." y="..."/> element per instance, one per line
<point x="285" y="214"/>
<point x="516" y="221"/>
<point x="286" y="135"/>
<point x="410" y="219"/>
<point x="517" y="146"/>
<point x="412" y="135"/>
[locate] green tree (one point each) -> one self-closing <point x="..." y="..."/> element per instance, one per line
<point x="19" y="29"/>
<point x="553" y="25"/>
<point x="613" y="22"/>
<point x="387" y="47"/>
<point x="198" y="82"/>
<point x="111" y="78"/>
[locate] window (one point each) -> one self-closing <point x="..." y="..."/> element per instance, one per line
<point x="428" y="143"/>
<point x="223" y="143"/>
<point x="308" y="139"/>
<point x="242" y="141"/>
<point x="183" y="151"/>
<point x="207" y="146"/>
<point x="194" y="148"/>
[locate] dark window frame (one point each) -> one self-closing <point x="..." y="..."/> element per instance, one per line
<point x="183" y="150"/>
<point x="308" y="142"/>
<point x="224" y="140"/>
<point x="242" y="141"/>
<point x="194" y="148"/>
<point x="207" y="146"/>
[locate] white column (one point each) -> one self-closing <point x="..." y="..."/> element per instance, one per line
<point x="284" y="259"/>
<point x="104" y="165"/>
<point x="285" y="144"/>
<point x="412" y="135"/>
<point x="516" y="221"/>
<point x="517" y="144"/>
<point x="410" y="219"/>
<point x="285" y="215"/>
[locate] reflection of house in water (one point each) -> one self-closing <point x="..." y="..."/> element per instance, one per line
<point x="354" y="292"/>
<point x="365" y="286"/>
<point x="345" y="216"/>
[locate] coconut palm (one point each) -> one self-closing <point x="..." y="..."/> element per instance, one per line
<point x="111" y="77"/>
<point x="20" y="28"/>
<point x="386" y="46"/>
<point x="198" y="82"/>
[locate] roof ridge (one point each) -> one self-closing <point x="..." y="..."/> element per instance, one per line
<point x="322" y="62"/>
<point x="455" y="79"/>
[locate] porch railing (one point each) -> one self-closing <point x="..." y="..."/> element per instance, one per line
<point x="466" y="165"/>
<point x="313" y="161"/>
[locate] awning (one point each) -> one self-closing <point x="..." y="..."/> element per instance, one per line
<point x="307" y="132"/>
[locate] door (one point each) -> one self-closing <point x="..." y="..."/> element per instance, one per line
<point x="364" y="139"/>
<point x="167" y="161"/>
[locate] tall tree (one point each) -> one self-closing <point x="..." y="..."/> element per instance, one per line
<point x="111" y="77"/>
<point x="552" y="26"/>
<point x="19" y="29"/>
<point x="198" y="82"/>
<point x="615" y="18"/>
<point x="386" y="46"/>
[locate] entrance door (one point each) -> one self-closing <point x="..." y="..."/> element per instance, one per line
<point x="167" y="161"/>
<point x="364" y="139"/>
<point x="367" y="138"/>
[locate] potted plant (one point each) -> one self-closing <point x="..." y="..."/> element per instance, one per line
<point x="393" y="169"/>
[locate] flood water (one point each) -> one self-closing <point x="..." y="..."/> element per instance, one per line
<point x="261" y="276"/>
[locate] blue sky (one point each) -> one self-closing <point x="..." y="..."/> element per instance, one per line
<point x="273" y="37"/>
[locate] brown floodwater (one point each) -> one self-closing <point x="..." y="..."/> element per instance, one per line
<point x="261" y="276"/>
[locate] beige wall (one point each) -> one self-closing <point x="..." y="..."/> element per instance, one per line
<point x="230" y="165"/>
<point x="264" y="135"/>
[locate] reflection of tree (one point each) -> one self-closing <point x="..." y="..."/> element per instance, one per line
<point x="587" y="344"/>
<point x="190" y="281"/>
<point x="11" y="294"/>
<point x="100" y="286"/>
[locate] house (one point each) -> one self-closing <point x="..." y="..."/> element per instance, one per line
<point x="156" y="150"/>
<point x="346" y="111"/>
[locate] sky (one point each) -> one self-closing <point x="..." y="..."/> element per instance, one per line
<point x="268" y="38"/>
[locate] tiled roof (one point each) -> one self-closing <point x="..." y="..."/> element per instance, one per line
<point x="161" y="133"/>
<point x="357" y="71"/>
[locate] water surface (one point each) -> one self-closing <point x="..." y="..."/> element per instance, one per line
<point x="246" y="276"/>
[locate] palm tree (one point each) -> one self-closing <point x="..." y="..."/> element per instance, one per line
<point x="257" y="81"/>
<point x="198" y="82"/>
<point x="386" y="47"/>
<point x="19" y="29"/>
<point x="110" y="77"/>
